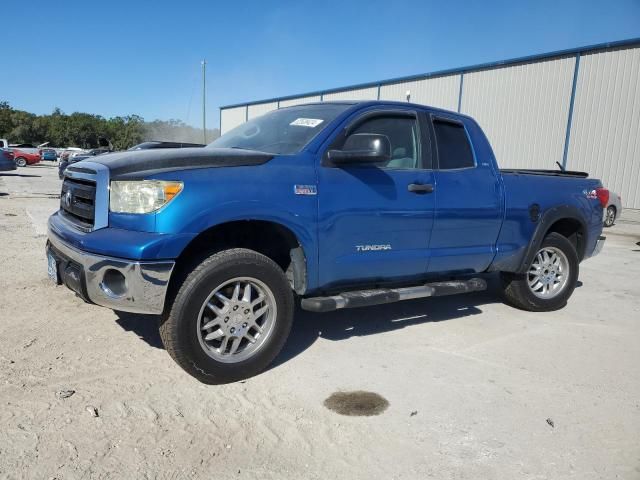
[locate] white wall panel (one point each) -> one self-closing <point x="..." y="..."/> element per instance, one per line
<point x="440" y="92"/>
<point x="299" y="101"/>
<point x="261" y="109"/>
<point x="353" y="94"/>
<point x="231" y="118"/>
<point x="605" y="130"/>
<point x="523" y="110"/>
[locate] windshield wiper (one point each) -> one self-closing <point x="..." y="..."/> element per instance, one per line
<point x="244" y="148"/>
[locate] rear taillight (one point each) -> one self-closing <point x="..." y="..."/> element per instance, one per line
<point x="603" y="196"/>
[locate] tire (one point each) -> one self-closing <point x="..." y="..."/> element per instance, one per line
<point x="610" y="216"/>
<point x="517" y="289"/>
<point x="21" y="162"/>
<point x="182" y="326"/>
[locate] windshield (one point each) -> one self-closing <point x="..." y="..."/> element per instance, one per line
<point x="283" y="131"/>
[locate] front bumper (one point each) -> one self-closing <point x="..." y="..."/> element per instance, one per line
<point x="116" y="283"/>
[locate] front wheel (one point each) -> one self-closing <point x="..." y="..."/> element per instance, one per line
<point x="21" y="162"/>
<point x="230" y="318"/>
<point x="550" y="279"/>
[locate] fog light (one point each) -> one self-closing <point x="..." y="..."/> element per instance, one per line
<point x="114" y="283"/>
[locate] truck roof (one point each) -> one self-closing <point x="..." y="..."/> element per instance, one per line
<point x="366" y="103"/>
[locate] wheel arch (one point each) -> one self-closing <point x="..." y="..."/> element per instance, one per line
<point x="270" y="238"/>
<point x="565" y="220"/>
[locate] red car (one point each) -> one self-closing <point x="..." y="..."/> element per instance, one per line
<point x="25" y="158"/>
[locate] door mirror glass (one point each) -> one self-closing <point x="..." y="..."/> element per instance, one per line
<point x="363" y="148"/>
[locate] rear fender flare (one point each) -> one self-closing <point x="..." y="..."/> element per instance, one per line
<point x="547" y="219"/>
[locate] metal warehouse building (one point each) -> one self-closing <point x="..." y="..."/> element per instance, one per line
<point x="579" y="107"/>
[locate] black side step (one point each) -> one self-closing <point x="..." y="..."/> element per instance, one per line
<point x="365" y="298"/>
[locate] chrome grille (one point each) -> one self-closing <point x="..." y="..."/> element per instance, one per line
<point x="78" y="202"/>
<point x="84" y="199"/>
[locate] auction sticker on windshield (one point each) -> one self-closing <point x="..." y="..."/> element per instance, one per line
<point x="307" y="122"/>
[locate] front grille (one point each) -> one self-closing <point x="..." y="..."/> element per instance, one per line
<point x="78" y="202"/>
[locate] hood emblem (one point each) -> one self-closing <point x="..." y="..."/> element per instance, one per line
<point x="67" y="199"/>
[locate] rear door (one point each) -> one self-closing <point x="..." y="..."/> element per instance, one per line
<point x="469" y="206"/>
<point x="375" y="221"/>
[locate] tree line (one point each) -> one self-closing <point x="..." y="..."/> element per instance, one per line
<point x="85" y="130"/>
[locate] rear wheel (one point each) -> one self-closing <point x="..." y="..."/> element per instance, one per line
<point x="550" y="279"/>
<point x="610" y="216"/>
<point x="230" y="318"/>
<point x="21" y="162"/>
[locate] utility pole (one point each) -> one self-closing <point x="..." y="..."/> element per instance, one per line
<point x="204" y="101"/>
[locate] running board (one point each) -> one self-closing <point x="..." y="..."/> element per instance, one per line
<point x="365" y="298"/>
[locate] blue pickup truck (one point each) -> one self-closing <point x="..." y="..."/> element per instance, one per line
<point x="334" y="205"/>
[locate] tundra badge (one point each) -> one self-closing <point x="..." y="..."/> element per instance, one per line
<point x="372" y="248"/>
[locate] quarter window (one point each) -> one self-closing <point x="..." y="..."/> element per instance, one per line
<point x="454" y="150"/>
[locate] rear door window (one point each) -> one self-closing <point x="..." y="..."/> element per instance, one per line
<point x="454" y="150"/>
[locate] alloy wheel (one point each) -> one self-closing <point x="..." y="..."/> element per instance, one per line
<point x="610" y="216"/>
<point x="236" y="319"/>
<point x="549" y="273"/>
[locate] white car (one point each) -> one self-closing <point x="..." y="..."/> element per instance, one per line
<point x="613" y="209"/>
<point x="75" y="150"/>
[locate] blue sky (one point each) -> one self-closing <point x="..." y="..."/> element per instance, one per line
<point x="118" y="58"/>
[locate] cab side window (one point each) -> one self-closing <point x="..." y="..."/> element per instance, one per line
<point x="404" y="136"/>
<point x="454" y="150"/>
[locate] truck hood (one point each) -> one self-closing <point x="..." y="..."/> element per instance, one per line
<point x="147" y="162"/>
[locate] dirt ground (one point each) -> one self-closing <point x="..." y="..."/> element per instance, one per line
<point x="475" y="389"/>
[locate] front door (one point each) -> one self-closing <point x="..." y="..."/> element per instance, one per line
<point x="375" y="220"/>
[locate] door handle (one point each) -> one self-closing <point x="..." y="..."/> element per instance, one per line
<point x="420" y="188"/>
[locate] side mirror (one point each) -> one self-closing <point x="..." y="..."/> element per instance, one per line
<point x="362" y="148"/>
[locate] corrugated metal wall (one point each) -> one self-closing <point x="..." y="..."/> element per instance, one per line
<point x="299" y="101"/>
<point x="261" y="109"/>
<point x="523" y="110"/>
<point x="232" y="117"/>
<point x="370" y="93"/>
<point x="605" y="130"/>
<point x="440" y="92"/>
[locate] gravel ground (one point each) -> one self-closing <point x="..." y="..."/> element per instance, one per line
<point x="475" y="389"/>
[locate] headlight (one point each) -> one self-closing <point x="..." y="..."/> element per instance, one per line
<point x="142" y="196"/>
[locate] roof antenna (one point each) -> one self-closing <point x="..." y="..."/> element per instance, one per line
<point x="560" y="166"/>
<point x="408" y="95"/>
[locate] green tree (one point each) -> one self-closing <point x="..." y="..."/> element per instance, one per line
<point x="6" y="122"/>
<point x="86" y="130"/>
